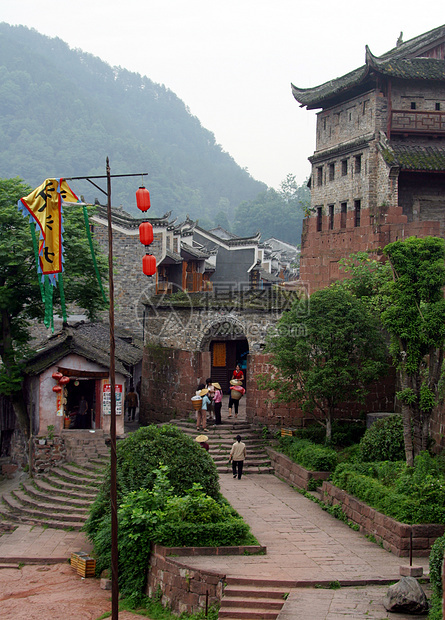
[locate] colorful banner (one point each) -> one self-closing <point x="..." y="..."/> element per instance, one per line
<point x="44" y="207"/>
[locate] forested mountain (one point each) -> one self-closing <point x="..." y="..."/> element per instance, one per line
<point x="62" y="111"/>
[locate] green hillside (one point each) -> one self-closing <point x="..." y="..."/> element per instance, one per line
<point x="62" y="111"/>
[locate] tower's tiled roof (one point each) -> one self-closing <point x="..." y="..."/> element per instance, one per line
<point x="403" y="61"/>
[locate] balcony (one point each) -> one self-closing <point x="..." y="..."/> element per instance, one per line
<point x="409" y="122"/>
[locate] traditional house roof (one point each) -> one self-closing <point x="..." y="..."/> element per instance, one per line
<point x="406" y="60"/>
<point x="222" y="233"/>
<point x="232" y="242"/>
<point x="418" y="158"/>
<point x="190" y="251"/>
<point x="91" y="341"/>
<point x="171" y="258"/>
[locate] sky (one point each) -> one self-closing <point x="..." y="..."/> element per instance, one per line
<point x="232" y="62"/>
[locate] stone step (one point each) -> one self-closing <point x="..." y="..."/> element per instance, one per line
<point x="81" y="493"/>
<point x="41" y="514"/>
<point x="46" y="495"/>
<point x="58" y="525"/>
<point x="66" y="477"/>
<point x="67" y="487"/>
<point x="84" y="473"/>
<point x="47" y="507"/>
<point x="251" y="601"/>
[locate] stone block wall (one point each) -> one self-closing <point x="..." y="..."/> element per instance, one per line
<point x="293" y="473"/>
<point x="170" y="380"/>
<point x="260" y="409"/>
<point x="184" y="589"/>
<point x="48" y="455"/>
<point x="394" y="536"/>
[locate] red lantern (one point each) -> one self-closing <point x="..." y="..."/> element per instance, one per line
<point x="149" y="265"/>
<point x="57" y="388"/>
<point x="146" y="233"/>
<point x="64" y="380"/>
<point x="57" y="376"/>
<point x="143" y="199"/>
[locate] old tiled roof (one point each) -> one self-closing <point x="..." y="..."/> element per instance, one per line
<point x="418" y="158"/>
<point x="410" y="68"/>
<point x="401" y="61"/>
<point x="194" y="251"/>
<point x="91" y="341"/>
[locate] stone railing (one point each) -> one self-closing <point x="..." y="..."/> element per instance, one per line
<point x="186" y="589"/>
<point x="293" y="473"/>
<point x="393" y="535"/>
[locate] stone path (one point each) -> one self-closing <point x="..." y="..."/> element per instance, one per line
<point x="306" y="546"/>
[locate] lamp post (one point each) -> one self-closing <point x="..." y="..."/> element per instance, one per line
<point x="143" y="203"/>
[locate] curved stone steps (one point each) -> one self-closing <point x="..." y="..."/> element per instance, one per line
<point x="63" y="488"/>
<point x="40" y="495"/>
<point x="66" y="476"/>
<point x="60" y="498"/>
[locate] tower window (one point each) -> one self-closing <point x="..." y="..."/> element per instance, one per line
<point x="319" y="218"/>
<point x="413" y="105"/>
<point x="357" y="207"/>
<point x="331" y="217"/>
<point x="343" y="211"/>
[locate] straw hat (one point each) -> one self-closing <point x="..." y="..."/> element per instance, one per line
<point x="236" y="382"/>
<point x="201" y="438"/>
<point x="203" y="392"/>
<point x="216" y="385"/>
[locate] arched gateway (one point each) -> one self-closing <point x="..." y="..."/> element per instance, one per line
<point x="187" y="342"/>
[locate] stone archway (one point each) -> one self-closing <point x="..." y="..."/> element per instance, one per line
<point x="226" y="341"/>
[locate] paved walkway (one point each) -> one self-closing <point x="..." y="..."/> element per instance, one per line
<point x="304" y="545"/>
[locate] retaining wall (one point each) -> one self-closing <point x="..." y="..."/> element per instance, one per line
<point x="293" y="473"/>
<point x="186" y="589"/>
<point x="393" y="535"/>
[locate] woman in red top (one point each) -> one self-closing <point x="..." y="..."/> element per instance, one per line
<point x="238" y="373"/>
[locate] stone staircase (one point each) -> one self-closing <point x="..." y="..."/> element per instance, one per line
<point x="85" y="447"/>
<point x="250" y="599"/>
<point x="59" y="498"/>
<point x="221" y="438"/>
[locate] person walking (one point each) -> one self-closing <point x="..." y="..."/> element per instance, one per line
<point x="132" y="402"/>
<point x="201" y="422"/>
<point x="217" y="402"/>
<point x="238" y="456"/>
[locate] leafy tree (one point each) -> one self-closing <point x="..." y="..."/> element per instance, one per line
<point x="415" y="320"/>
<point x="20" y="296"/>
<point x="274" y="214"/>
<point x="326" y="357"/>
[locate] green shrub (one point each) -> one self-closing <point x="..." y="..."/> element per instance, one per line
<point x="157" y="515"/>
<point x="344" y="433"/>
<point x="383" y="441"/>
<point x="141" y="454"/>
<point x="378" y="484"/>
<point x="436" y="560"/>
<point x="309" y="455"/>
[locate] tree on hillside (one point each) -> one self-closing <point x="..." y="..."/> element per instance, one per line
<point x="415" y="319"/>
<point x="20" y="296"/>
<point x="327" y="357"/>
<point x="274" y="213"/>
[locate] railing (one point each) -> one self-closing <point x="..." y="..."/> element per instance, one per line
<point x="417" y="122"/>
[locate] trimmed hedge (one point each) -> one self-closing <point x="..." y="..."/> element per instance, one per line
<point x="309" y="455"/>
<point x="408" y="494"/>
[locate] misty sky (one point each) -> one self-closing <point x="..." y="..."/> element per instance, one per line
<point x="232" y="61"/>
